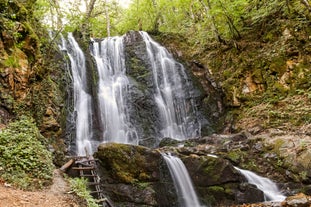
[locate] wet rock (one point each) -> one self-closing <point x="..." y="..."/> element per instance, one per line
<point x="144" y="112"/>
<point x="209" y="171"/>
<point x="135" y="176"/>
<point x="132" y="195"/>
<point x="168" y="142"/>
<point x="299" y="200"/>
<point x="249" y="194"/>
<point x="129" y="163"/>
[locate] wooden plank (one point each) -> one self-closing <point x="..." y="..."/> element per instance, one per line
<point x="67" y="165"/>
<point x="89" y="176"/>
<point x="93" y="183"/>
<point x="83" y="168"/>
<point x="92" y="192"/>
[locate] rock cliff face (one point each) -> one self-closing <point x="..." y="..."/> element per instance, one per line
<point x="146" y="115"/>
<point x="138" y="176"/>
<point x="144" y="107"/>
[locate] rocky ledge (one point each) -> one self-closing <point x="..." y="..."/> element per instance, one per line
<point x="138" y="176"/>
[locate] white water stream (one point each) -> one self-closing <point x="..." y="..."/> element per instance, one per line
<point x="82" y="100"/>
<point x="113" y="91"/>
<point x="170" y="82"/>
<point x="182" y="182"/>
<point x="268" y="187"/>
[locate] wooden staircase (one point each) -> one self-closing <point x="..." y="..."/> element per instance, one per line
<point x="86" y="168"/>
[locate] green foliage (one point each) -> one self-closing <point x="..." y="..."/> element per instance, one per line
<point x="79" y="187"/>
<point x="12" y="62"/>
<point x="201" y="20"/>
<point x="24" y="160"/>
<point x="206" y="20"/>
<point x="145" y="20"/>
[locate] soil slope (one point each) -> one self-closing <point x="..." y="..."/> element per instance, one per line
<point x="57" y="195"/>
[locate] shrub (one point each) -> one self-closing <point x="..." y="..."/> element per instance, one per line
<point x="24" y="160"/>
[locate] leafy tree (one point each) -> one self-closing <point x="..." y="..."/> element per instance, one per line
<point x="202" y="20"/>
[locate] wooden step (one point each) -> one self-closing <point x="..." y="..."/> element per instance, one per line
<point x="93" y="183"/>
<point x="85" y="164"/>
<point x="83" y="168"/>
<point x="101" y="200"/>
<point x="97" y="191"/>
<point x="88" y="175"/>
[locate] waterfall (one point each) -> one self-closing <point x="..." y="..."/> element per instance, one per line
<point x="82" y="100"/>
<point x="176" y="108"/>
<point x="113" y="91"/>
<point x="182" y="182"/>
<point x="268" y="187"/>
<point x="173" y="113"/>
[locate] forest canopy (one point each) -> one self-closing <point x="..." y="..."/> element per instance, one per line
<point x="203" y="20"/>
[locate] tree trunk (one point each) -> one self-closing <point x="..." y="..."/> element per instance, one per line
<point x="89" y="9"/>
<point x="214" y="28"/>
<point x="235" y="32"/>
<point x="107" y="18"/>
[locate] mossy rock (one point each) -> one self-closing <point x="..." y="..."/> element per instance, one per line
<point x="129" y="163"/>
<point x="210" y="171"/>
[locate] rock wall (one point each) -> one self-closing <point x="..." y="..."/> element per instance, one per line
<point x="141" y="91"/>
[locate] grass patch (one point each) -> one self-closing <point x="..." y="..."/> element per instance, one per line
<point x="79" y="187"/>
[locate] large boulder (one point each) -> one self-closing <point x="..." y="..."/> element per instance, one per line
<point x="135" y="175"/>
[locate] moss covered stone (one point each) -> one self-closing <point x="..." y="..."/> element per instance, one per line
<point x="129" y="163"/>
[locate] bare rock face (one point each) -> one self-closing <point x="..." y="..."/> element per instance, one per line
<point x="210" y="163"/>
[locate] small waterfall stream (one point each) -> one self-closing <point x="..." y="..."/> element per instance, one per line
<point x="170" y="82"/>
<point x="268" y="187"/>
<point x="82" y="100"/>
<point x="182" y="182"/>
<point x="113" y="91"/>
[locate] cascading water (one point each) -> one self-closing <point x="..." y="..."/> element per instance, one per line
<point x="176" y="109"/>
<point x="113" y="91"/>
<point x="174" y="113"/>
<point x="82" y="100"/>
<point x="269" y="188"/>
<point x="182" y="182"/>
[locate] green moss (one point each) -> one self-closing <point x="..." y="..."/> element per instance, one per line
<point x="236" y="156"/>
<point x="125" y="162"/>
<point x="11" y="62"/>
<point x="216" y="189"/>
<point x="142" y="185"/>
<point x="277" y="145"/>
